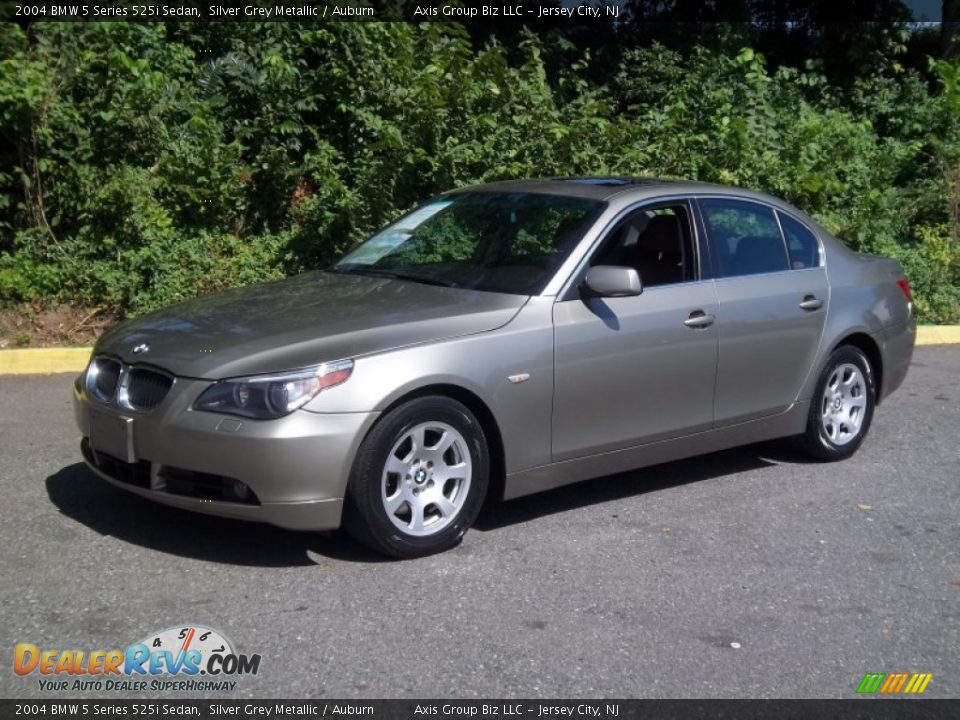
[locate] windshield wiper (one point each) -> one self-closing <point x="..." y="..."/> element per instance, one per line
<point x="394" y="275"/>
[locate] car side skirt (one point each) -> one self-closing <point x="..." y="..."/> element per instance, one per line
<point x="526" y="482"/>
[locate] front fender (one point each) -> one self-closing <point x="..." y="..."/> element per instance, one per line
<point x="481" y="364"/>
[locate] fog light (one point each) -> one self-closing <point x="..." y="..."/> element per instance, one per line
<point x="240" y="490"/>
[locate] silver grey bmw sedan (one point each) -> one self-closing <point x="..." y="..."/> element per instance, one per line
<point x="497" y="341"/>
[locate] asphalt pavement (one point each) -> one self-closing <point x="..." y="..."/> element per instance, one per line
<point x="746" y="573"/>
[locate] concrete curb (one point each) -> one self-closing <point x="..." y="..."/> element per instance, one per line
<point x="45" y="361"/>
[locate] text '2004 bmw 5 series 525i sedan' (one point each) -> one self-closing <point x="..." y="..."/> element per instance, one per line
<point x="498" y="341"/>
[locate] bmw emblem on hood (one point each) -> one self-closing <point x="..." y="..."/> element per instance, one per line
<point x="140" y="349"/>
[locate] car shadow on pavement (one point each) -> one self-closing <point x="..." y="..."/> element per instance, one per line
<point x="79" y="494"/>
<point x="637" y="482"/>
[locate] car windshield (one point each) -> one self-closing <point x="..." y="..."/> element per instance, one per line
<point x="493" y="241"/>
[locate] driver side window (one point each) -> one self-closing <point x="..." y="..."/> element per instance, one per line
<point x="656" y="241"/>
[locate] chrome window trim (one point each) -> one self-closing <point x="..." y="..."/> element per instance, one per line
<point x="732" y="278"/>
<point x="559" y="285"/>
<point x="777" y="209"/>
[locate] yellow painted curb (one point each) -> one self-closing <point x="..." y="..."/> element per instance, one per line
<point x="43" y="361"/>
<point x="938" y="334"/>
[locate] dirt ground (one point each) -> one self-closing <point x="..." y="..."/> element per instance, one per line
<point x="33" y="325"/>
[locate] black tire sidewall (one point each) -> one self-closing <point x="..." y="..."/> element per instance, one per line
<point x="364" y="488"/>
<point x="819" y="443"/>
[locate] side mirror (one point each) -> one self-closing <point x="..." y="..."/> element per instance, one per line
<point x="613" y="281"/>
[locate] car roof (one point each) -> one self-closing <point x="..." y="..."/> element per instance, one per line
<point x="606" y="187"/>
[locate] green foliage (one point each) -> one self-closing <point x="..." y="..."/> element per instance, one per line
<point x="144" y="163"/>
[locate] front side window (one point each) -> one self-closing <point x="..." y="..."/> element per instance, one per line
<point x="509" y="242"/>
<point x="801" y="243"/>
<point x="656" y="241"/>
<point x="744" y="237"/>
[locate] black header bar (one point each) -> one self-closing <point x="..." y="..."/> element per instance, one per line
<point x="527" y="12"/>
<point x="854" y="709"/>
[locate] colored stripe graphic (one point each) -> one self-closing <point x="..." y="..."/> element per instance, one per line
<point x="870" y="683"/>
<point x="894" y="683"/>
<point x="919" y="683"/>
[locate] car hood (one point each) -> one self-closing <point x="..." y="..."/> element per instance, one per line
<point x="302" y="321"/>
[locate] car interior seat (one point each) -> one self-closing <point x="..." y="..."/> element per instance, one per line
<point x="658" y="255"/>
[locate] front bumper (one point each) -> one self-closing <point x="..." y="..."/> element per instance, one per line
<point x="294" y="469"/>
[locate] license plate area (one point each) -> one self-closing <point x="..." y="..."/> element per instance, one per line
<point x="113" y="435"/>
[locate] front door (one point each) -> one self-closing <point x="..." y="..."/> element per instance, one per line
<point x="631" y="370"/>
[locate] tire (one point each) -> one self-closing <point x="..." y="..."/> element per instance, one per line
<point x="419" y="479"/>
<point x="841" y="409"/>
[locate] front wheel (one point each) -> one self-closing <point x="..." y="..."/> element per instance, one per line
<point x="419" y="479"/>
<point x="842" y="406"/>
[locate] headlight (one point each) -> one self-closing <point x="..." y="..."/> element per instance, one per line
<point x="272" y="396"/>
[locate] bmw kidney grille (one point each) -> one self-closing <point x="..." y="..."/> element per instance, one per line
<point x="134" y="388"/>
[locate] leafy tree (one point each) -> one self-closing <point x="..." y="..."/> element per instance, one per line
<point x="145" y="163"/>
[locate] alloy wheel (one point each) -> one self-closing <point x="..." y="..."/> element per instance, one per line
<point x="426" y="478"/>
<point x="844" y="404"/>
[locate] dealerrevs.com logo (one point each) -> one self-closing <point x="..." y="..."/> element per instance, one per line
<point x="184" y="658"/>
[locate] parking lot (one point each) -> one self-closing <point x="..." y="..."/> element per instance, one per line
<point x="747" y="573"/>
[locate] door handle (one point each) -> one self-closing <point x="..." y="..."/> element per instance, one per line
<point x="699" y="319"/>
<point x="811" y="302"/>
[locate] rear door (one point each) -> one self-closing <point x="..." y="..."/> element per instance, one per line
<point x="773" y="295"/>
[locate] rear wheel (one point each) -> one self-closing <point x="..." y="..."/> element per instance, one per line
<point x="842" y="406"/>
<point x="419" y="479"/>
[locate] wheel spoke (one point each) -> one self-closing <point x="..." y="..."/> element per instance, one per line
<point x="831" y="429"/>
<point x="416" y="516"/>
<point x="393" y="503"/>
<point x="446" y="507"/>
<point x="457" y="470"/>
<point x="445" y="442"/>
<point x="397" y="466"/>
<point x="417" y="438"/>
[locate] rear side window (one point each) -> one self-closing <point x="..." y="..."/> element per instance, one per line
<point x="801" y="244"/>
<point x="745" y="237"/>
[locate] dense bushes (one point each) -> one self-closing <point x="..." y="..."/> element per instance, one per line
<point x="145" y="163"/>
